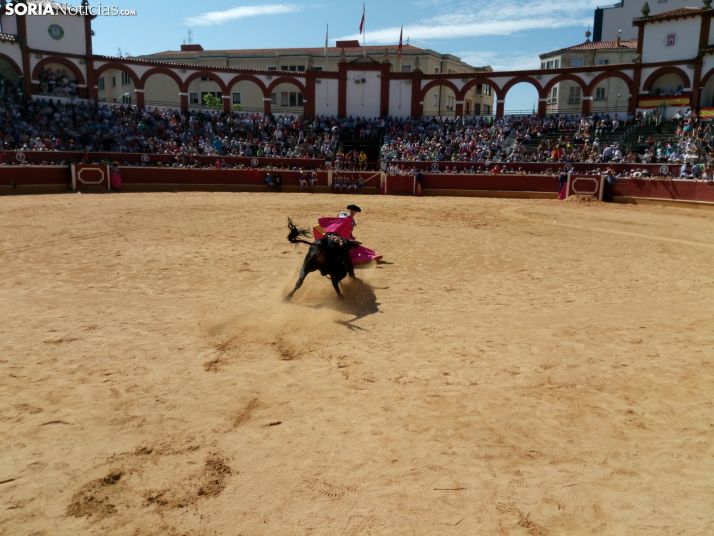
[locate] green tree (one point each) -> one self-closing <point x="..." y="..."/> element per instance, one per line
<point x="213" y="102"/>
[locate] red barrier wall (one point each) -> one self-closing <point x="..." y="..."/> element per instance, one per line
<point x="58" y="178"/>
<point x="681" y="190"/>
<point x="508" y="183"/>
<point x="34" y="179"/>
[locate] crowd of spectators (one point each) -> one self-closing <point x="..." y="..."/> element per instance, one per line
<point x="53" y="125"/>
<point x="555" y="139"/>
<point x="57" y="83"/>
<point x="485" y="144"/>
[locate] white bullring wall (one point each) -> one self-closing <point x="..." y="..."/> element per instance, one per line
<point x="363" y="98"/>
<point x="326" y="96"/>
<point x="686" y="33"/>
<point x="72" y="41"/>
<point x="400" y="98"/>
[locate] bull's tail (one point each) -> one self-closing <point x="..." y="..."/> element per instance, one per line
<point x="295" y="234"/>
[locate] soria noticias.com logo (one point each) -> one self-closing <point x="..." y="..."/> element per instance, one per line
<point x="52" y="8"/>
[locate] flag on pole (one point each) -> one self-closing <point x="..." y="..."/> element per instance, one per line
<point x="361" y="22"/>
<point x="399" y="48"/>
<point x="327" y="30"/>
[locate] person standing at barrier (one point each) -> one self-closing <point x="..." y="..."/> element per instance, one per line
<point x="418" y="179"/>
<point x="563" y="184"/>
<point x="115" y="177"/>
<point x="608" y="184"/>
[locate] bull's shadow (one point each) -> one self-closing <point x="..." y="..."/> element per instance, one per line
<point x="360" y="301"/>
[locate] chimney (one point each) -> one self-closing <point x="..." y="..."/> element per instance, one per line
<point x="191" y="48"/>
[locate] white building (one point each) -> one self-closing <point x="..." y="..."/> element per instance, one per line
<point x="611" y="19"/>
<point x="610" y="96"/>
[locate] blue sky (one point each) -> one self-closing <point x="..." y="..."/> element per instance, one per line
<point x="506" y="34"/>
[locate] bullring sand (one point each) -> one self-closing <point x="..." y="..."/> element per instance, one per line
<point x="514" y="367"/>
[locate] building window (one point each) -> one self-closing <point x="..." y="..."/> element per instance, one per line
<point x="603" y="62"/>
<point x="273" y="98"/>
<point x="235" y="98"/>
<point x="542" y="65"/>
<point x="291" y="98"/>
<point x="553" y="96"/>
<point x="126" y="98"/>
<point x="406" y="68"/>
<point x="193" y="98"/>
<point x="486" y="109"/>
<point x="600" y="94"/>
<point x="318" y="68"/>
<point x="272" y="68"/>
<point x="556" y="64"/>
<point x="204" y="78"/>
<point x="125" y="80"/>
<point x="486" y="90"/>
<point x="577" y="62"/>
<point x="477" y="108"/>
<point x="114" y="81"/>
<point x="436" y="70"/>
<point x="574" y="95"/>
<point x="435" y="98"/>
<point x="101" y="83"/>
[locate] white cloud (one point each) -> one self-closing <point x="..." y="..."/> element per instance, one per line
<point x="472" y="29"/>
<point x="500" y="61"/>
<point x="212" y="18"/>
<point x="454" y="19"/>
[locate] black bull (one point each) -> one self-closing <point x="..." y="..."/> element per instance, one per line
<point x="330" y="255"/>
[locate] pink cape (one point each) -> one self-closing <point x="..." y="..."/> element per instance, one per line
<point x="343" y="227"/>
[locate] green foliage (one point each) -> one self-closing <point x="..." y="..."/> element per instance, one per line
<point x="213" y="102"/>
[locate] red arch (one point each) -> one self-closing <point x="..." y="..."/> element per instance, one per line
<point x="609" y="74"/>
<point x="62" y="61"/>
<point x="563" y="78"/>
<point x="476" y="81"/>
<point x="119" y="67"/>
<point x="686" y="83"/>
<point x="247" y="77"/>
<point x="284" y="80"/>
<point x="519" y="79"/>
<point x="207" y="74"/>
<point x="705" y="79"/>
<point x="12" y="63"/>
<point x="436" y="83"/>
<point x="161" y="70"/>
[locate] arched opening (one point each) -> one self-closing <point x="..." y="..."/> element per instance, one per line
<point x="246" y="96"/>
<point x="706" y="99"/>
<point x="610" y="95"/>
<point x="57" y="79"/>
<point x="479" y="98"/>
<point x="669" y="83"/>
<point x="286" y="98"/>
<point x="521" y="99"/>
<point x="205" y="94"/>
<point x="161" y="89"/>
<point x="440" y="101"/>
<point x="9" y="71"/>
<point x="564" y="95"/>
<point x="116" y="85"/>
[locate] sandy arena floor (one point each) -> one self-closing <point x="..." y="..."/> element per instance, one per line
<point x="517" y="367"/>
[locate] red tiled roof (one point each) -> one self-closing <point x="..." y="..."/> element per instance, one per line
<point x="285" y="51"/>
<point x="674" y="14"/>
<point x="625" y="44"/>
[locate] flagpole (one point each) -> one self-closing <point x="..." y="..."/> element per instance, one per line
<point x="327" y="89"/>
<point x="364" y="33"/>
